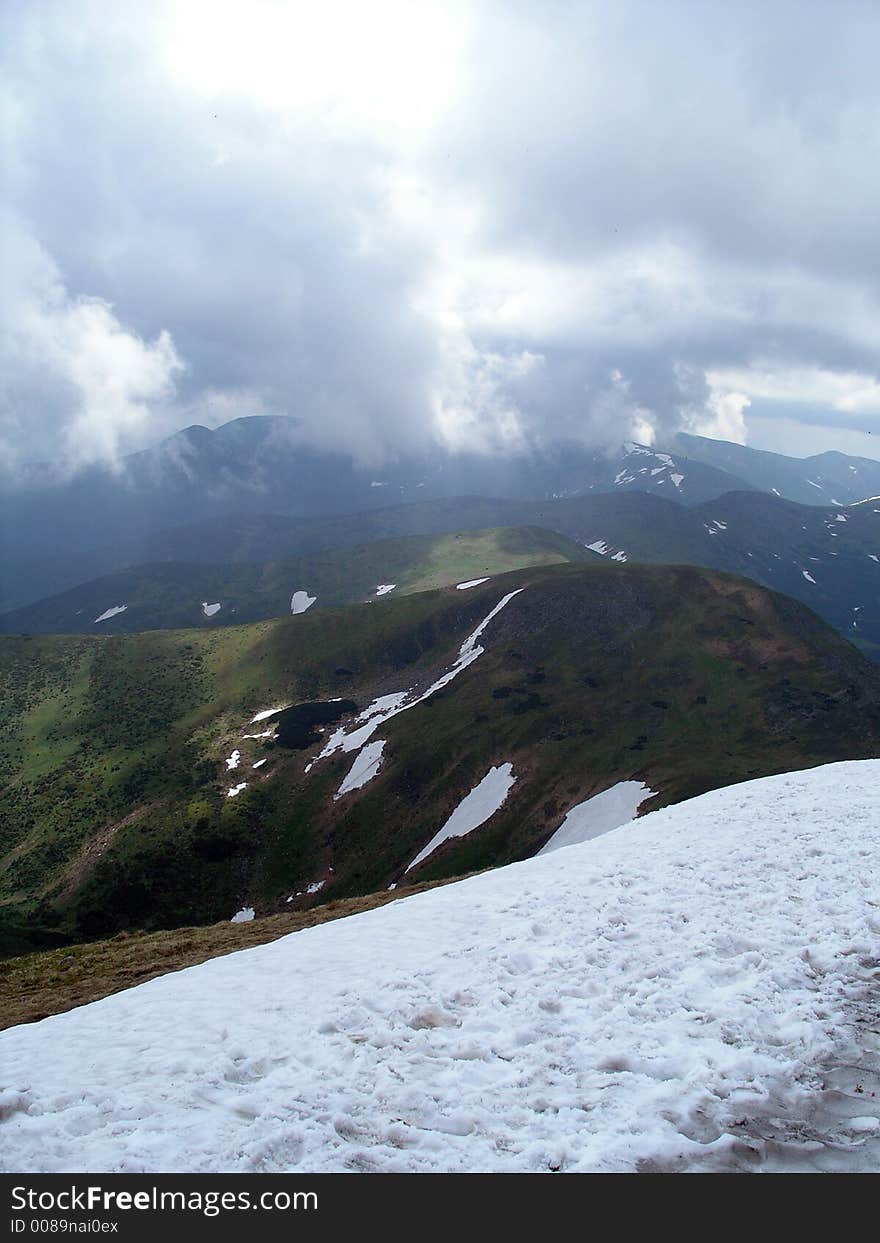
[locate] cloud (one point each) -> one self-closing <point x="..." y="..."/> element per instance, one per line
<point x="97" y="386"/>
<point x="480" y="225"/>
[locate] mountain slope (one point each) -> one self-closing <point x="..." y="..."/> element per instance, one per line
<point x="827" y="558"/>
<point x="166" y="595"/>
<point x="691" y="992"/>
<point x="823" y="479"/>
<point x="131" y="797"/>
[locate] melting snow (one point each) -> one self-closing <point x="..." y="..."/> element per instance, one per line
<point x="693" y="992"/>
<point x="382" y="704"/>
<point x="599" y="546"/>
<point x="117" y="608"/>
<point x="210" y="609"/>
<point x="472" y="582"/>
<point x="468" y="653"/>
<point x="233" y="761"/>
<point x="236" y="790"/>
<point x="601" y="813"/>
<point x="363" y="769"/>
<point x="677" y="480"/>
<point x="244" y="916"/>
<point x="262" y="716"/>
<point x="473" y="810"/>
<point x="300" y="601"/>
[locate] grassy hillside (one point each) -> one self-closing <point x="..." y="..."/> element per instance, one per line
<point x="171" y="595"/>
<point x="113" y="755"/>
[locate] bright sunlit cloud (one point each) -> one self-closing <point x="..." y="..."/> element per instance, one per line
<point x="388" y="70"/>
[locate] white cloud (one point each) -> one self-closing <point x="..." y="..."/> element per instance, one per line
<point x="846" y="391"/>
<point x="399" y="222"/>
<point x="108" y="388"/>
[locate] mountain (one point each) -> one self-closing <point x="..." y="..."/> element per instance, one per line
<point x="827" y="558"/>
<point x="693" y="992"/>
<point x="170" y="778"/>
<point x="166" y="595"/>
<point x="823" y="479"/>
<point x="57" y="531"/>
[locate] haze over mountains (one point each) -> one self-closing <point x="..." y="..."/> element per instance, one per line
<point x="255" y="507"/>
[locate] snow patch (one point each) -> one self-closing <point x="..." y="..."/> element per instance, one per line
<point x="244" y="916"/>
<point x="472" y="582"/>
<point x="600" y="814"/>
<point x="469" y="651"/>
<point x="384" y="588"/>
<point x="108" y="613"/>
<point x="808" y="576"/>
<point x="364" y="768"/>
<point x="473" y="810"/>
<point x="236" y="790"/>
<point x="210" y="609"/>
<point x="300" y="601"/>
<point x="233" y="761"/>
<point x="264" y="715"/>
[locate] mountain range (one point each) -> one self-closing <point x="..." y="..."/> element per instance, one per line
<point x="58" y="530"/>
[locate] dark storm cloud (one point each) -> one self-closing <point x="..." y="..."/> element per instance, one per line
<point x="612" y="202"/>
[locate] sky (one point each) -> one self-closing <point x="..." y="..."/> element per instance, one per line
<point x="475" y="224"/>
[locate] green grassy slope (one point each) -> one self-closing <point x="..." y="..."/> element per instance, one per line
<point x="167" y="596"/>
<point x="114" y="810"/>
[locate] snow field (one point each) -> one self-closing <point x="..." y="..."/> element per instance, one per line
<point x="694" y="991"/>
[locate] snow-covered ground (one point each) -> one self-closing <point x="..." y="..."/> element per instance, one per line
<point x="364" y="768"/>
<point x="599" y="814"/>
<point x="263" y="716"/>
<point x="697" y="990"/>
<point x="473" y="810"/>
<point x="300" y="601"/>
<point x="111" y="612"/>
